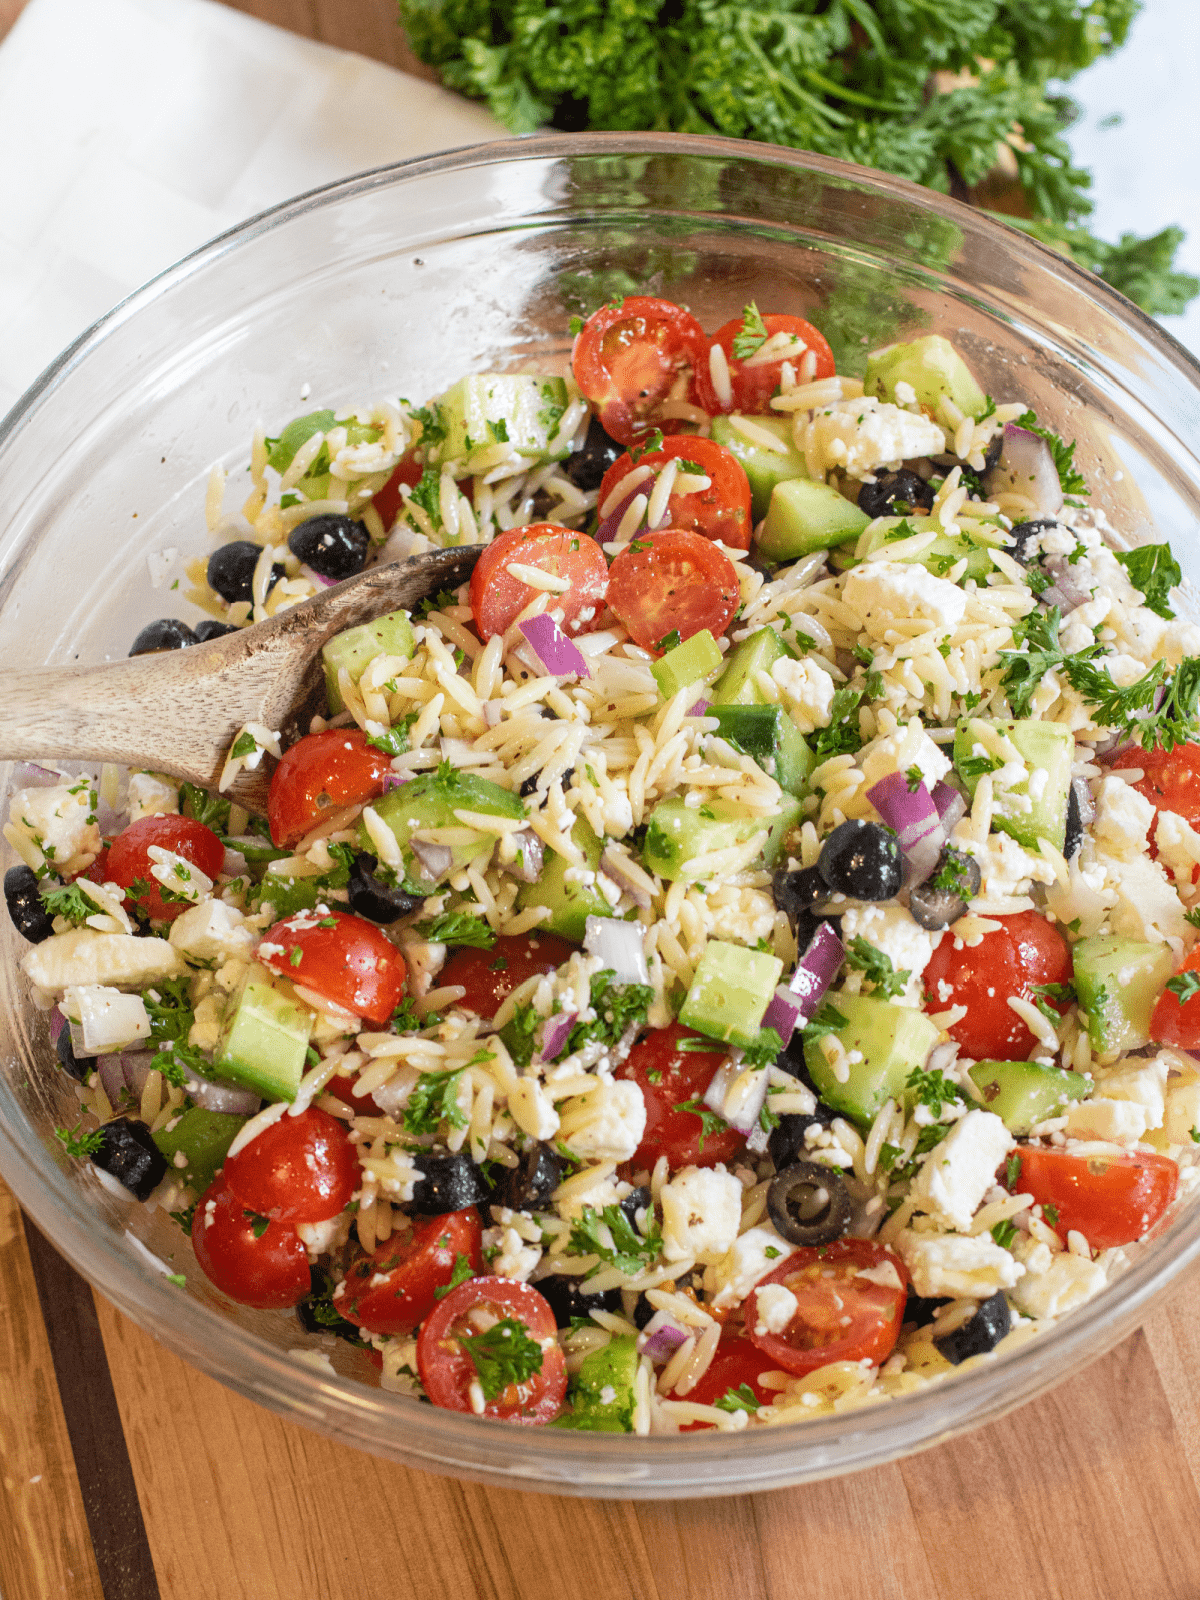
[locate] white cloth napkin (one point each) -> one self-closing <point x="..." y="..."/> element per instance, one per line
<point x="134" y="130"/>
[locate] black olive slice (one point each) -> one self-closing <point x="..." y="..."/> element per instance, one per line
<point x="448" y="1182"/>
<point x="979" y="1334"/>
<point x="26" y="906"/>
<point x="809" y="1204"/>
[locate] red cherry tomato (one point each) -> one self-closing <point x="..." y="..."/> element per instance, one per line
<point x="672" y="581"/>
<point x="722" y="511"/>
<point x="365" y="1105"/>
<point x="1172" y="778"/>
<point x="1025" y="951"/>
<point x="320" y="774"/>
<point x="387" y="500"/>
<point x="737" y="1362"/>
<point x="490" y="976"/>
<point x="498" y="598"/>
<point x="840" y="1316"/>
<point x="413" y="1268"/>
<point x="300" y="1169"/>
<point x="447" y="1371"/>
<point x="753" y="385"/>
<point x="627" y="358"/>
<point x="1176" y="1022"/>
<point x="130" y="862"/>
<point x="345" y="959"/>
<point x="256" y="1265"/>
<point x="667" y="1076"/>
<point x="1111" y="1200"/>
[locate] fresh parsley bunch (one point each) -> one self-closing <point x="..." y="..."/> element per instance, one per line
<point x="926" y="90"/>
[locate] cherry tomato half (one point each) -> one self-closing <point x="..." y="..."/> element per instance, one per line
<point x="387" y="500"/>
<point x="412" y="1268"/>
<point x="738" y="1361"/>
<point x="667" y="1076"/>
<point x="1111" y="1200"/>
<point x="498" y="598"/>
<point x="672" y="581"/>
<point x="1025" y="951"/>
<point x="343" y="958"/>
<point x="1174" y="1021"/>
<point x="722" y="511"/>
<point x="130" y="862"/>
<point x="447" y="1371"/>
<point x="300" y="1169"/>
<point x="490" y="976"/>
<point x="753" y="383"/>
<point x="320" y="774"/>
<point x="1171" y="780"/>
<point x="251" y="1259"/>
<point x="839" y="1316"/>
<point x="627" y="358"/>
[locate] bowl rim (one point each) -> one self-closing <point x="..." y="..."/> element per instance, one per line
<point x="592" y="1464"/>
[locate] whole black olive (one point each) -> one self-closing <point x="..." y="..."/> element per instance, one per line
<point x="809" y="1204"/>
<point x="532" y="1181"/>
<point x="231" y="570"/>
<point x="128" y="1152"/>
<point x="978" y="1335"/>
<point x="78" y="1067"/>
<point x="796" y="893"/>
<point x="168" y="633"/>
<point x="1074" y="829"/>
<point x="567" y="1298"/>
<point x="862" y="860"/>
<point x="370" y="897"/>
<point x="334" y="545"/>
<point x="210" y="628"/>
<point x="942" y="898"/>
<point x="448" y="1182"/>
<point x="1025" y="535"/>
<point x="586" y="467"/>
<point x="26" y="906"/>
<point x="895" y="494"/>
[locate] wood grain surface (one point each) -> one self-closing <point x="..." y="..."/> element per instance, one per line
<point x="1092" y="1491"/>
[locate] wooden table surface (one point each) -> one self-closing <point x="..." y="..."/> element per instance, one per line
<point x="128" y="1475"/>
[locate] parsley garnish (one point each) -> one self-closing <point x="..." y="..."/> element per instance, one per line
<point x="669" y="641"/>
<point x="1012" y="1170"/>
<point x="978" y="766"/>
<point x="405" y="1019"/>
<point x="78" y="1144"/>
<point x="1043" y="993"/>
<point x="244" y="745"/>
<point x="259" y="1223"/>
<point x="458" y="928"/>
<point x="650" y="445"/>
<point x="740" y="1399"/>
<point x="953" y="875"/>
<point x="71" y="901"/>
<point x="1193" y="916"/>
<point x="1050" y="1212"/>
<point x="842" y="737"/>
<point x="876" y="968"/>
<point x="463" y="1270"/>
<point x="504" y="1355"/>
<point x="575" y="327"/>
<point x="629" y="1252"/>
<point x="518" y="1033"/>
<point x="1038" y="650"/>
<point x="1195" y="1133"/>
<point x="433" y="429"/>
<point x="210" y="809"/>
<point x="1184" y="985"/>
<point x="434" y="1101"/>
<point x="932" y="1089"/>
<point x="1004" y="1233"/>
<point x="1064" y="454"/>
<point x="1131" y="710"/>
<point x="914" y="778"/>
<point x="618" y="1006"/>
<point x="752" y="334"/>
<point x="710" y="1122"/>
<point x="393" y="741"/>
<point x="827" y="1020"/>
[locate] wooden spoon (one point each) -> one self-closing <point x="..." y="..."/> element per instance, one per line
<point x="178" y="711"/>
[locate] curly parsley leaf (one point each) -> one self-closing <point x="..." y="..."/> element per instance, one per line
<point x="1037" y="652"/>
<point x="70" y="900"/>
<point x="629" y="1250"/>
<point x="463" y="1270"/>
<point x="827" y="1020"/>
<point x="1064" y="454"/>
<point x="1004" y="1233"/>
<point x="1184" y="985"/>
<point x="618" y="1006"/>
<point x="710" y="1123"/>
<point x="842" y="737"/>
<point x="752" y="334"/>
<point x="1138" y="710"/>
<point x="1154" y="570"/>
<point x="458" y="928"/>
<point x="504" y="1355"/>
<point x="210" y="809"/>
<point x="932" y="1089"/>
<point x="742" y="1398"/>
<point x="393" y="741"/>
<point x="876" y="968"/>
<point x="518" y="1034"/>
<point x="434" y="1100"/>
<point x="82" y="1146"/>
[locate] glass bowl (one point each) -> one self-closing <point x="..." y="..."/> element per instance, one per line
<point x="403" y="279"/>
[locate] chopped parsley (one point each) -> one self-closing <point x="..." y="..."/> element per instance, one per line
<point x="1050" y="1212"/>
<point x="502" y="1356"/>
<point x="914" y="778"/>
<point x="842" y="737"/>
<point x="1184" y="985"/>
<point x="210" y="809"/>
<point x="71" y="901"/>
<point x="876" y="968"/>
<point x="1064" y="454"/>
<point x="1004" y="1233"/>
<point x="827" y="1020"/>
<point x="618" y="1006"/>
<point x="458" y="928"/>
<point x="244" y="745"/>
<point x="953" y="875"/>
<point x="932" y="1089"/>
<point x="79" y="1144"/>
<point x="318" y="1310"/>
<point x="1043" y="993"/>
<point x="1012" y="1170"/>
<point x="517" y="1034"/>
<point x="978" y="766"/>
<point x="1038" y="650"/>
<point x="1131" y="710"/>
<point x="463" y="1270"/>
<point x="169" y="1007"/>
<point x="629" y="1251"/>
<point x="752" y="334"/>
<point x="1193" y="916"/>
<point x="259" y="1224"/>
<point x="710" y="1122"/>
<point x="393" y="741"/>
<point x="740" y="1399"/>
<point x="670" y="641"/>
<point x="650" y="445"/>
<point x="434" y="1100"/>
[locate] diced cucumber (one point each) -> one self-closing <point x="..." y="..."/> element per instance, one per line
<point x="315" y="483"/>
<point x="1048" y="750"/>
<point x="764" y="467"/>
<point x="265" y="1041"/>
<point x="946" y="551"/>
<point x="431" y="802"/>
<point x="494" y="408"/>
<point x="758" y="653"/>
<point x="1118" y="981"/>
<point x="356" y="648"/>
<point x="203" y="1137"/>
<point x="1024" y="1093"/>
<point x="690" y="662"/>
<point x="678" y="833"/>
<point x="603" y="1391"/>
<point x="730" y="992"/>
<point x="571" y="902"/>
<point x="805" y="515"/>
<point x="932" y="367"/>
<point x="884" y="1043"/>
<point x="770" y="736"/>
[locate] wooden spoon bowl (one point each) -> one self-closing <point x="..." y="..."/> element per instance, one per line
<point x="178" y="711"/>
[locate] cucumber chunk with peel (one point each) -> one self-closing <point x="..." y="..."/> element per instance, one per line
<point x="1118" y="981"/>
<point x="883" y="1044"/>
<point x="730" y="992"/>
<point x="932" y="368"/>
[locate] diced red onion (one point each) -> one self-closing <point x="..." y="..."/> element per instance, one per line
<point x="435" y="859"/>
<point x="57" y="1023"/>
<point x="318" y="579"/>
<point x="530" y="858"/>
<point x="393" y="780"/>
<point x="661" y="1337"/>
<point x="951" y="806"/>
<point x="555" y="1032"/>
<point x="817" y="968"/>
<point x="609" y="525"/>
<point x="1083" y="799"/>
<point x="28" y="775"/>
<point x="699" y="708"/>
<point x="914" y="816"/>
<point x="225" y="1097"/>
<point x="744" y="1114"/>
<point x="553" y="649"/>
<point x="783" y="1012"/>
<point x="112" y="1079"/>
<point x="1026" y="466"/>
<point x="1065" y="591"/>
<point x="234" y="864"/>
<point x="615" y="866"/>
<point x="618" y="945"/>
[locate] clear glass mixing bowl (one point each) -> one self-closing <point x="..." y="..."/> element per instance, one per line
<point x="402" y="280"/>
